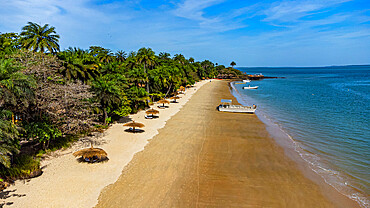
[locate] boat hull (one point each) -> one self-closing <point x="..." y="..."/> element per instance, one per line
<point x="237" y="109"/>
<point x="250" y="88"/>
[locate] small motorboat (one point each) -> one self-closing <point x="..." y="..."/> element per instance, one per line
<point x="246" y="80"/>
<point x="226" y="106"/>
<point x="249" y="87"/>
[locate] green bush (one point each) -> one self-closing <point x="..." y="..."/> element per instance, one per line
<point x="22" y="167"/>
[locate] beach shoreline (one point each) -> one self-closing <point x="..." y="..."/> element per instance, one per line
<point x="222" y="163"/>
<point x="294" y="152"/>
<point x="67" y="183"/>
<point x="185" y="164"/>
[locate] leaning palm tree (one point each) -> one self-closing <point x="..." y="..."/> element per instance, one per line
<point x="37" y="38"/>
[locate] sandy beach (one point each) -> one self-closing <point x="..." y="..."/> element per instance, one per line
<point x="68" y="183"/>
<point x="196" y="157"/>
<point x="206" y="158"/>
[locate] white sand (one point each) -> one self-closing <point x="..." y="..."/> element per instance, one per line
<point x="68" y="183"/>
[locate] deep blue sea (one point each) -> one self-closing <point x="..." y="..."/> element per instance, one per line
<point x="326" y="112"/>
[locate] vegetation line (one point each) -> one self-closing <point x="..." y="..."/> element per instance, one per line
<point x="49" y="97"/>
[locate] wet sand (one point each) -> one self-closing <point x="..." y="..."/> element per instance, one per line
<point x="206" y="158"/>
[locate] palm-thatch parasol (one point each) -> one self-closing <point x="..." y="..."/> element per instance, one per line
<point x="163" y="101"/>
<point x="175" y="98"/>
<point x="134" y="125"/>
<point x="152" y="112"/>
<point x="91" y="153"/>
<point x="188" y="86"/>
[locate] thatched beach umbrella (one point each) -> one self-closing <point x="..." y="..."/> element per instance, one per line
<point x="152" y="112"/>
<point x="134" y="125"/>
<point x="175" y="98"/>
<point x="188" y="86"/>
<point x="163" y="101"/>
<point x="91" y="153"/>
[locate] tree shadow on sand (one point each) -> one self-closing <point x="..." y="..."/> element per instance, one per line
<point x="7" y="194"/>
<point x="124" y="119"/>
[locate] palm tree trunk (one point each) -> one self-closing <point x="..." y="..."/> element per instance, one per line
<point x="105" y="116"/>
<point x="147" y="85"/>
<point x="168" y="90"/>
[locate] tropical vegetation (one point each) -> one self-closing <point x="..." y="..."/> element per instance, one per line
<point x="48" y="96"/>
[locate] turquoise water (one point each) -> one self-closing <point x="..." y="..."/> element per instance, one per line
<point x="326" y="112"/>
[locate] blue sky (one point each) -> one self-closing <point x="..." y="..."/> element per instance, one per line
<point x="251" y="33"/>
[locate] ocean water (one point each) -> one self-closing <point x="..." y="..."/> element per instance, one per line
<point x="326" y="113"/>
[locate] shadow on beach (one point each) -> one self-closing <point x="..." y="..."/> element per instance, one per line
<point x="7" y="194"/>
<point x="96" y="160"/>
<point x="134" y="131"/>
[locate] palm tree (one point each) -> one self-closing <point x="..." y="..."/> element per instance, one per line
<point x="146" y="57"/>
<point x="37" y="38"/>
<point x="164" y="55"/>
<point x="191" y="60"/>
<point x="102" y="54"/>
<point x="15" y="87"/>
<point x="121" y="56"/>
<point x="108" y="93"/>
<point x="232" y="64"/>
<point x="78" y="64"/>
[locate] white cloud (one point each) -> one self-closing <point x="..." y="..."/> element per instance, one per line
<point x="291" y="11"/>
<point x="276" y="32"/>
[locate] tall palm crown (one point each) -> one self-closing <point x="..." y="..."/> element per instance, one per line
<point x="146" y="57"/>
<point x="39" y="38"/>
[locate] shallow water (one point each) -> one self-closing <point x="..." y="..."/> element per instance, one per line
<point x="326" y="112"/>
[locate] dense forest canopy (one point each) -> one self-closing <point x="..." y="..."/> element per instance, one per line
<point x="47" y="94"/>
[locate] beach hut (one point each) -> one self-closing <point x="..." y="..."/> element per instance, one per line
<point x="163" y="101"/>
<point x="134" y="125"/>
<point x="91" y="154"/>
<point x="174" y="98"/>
<point x="150" y="113"/>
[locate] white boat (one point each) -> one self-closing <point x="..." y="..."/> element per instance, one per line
<point x="249" y="87"/>
<point x="226" y="106"/>
<point x="246" y="80"/>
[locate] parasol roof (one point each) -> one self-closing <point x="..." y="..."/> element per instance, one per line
<point x="175" y="97"/>
<point x="90" y="152"/>
<point x="164" y="101"/>
<point x="134" y="124"/>
<point x="152" y="111"/>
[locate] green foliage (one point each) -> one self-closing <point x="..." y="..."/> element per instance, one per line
<point x="9" y="42"/>
<point x="22" y="167"/>
<point x="39" y="38"/>
<point x="78" y="64"/>
<point x="43" y="132"/>
<point x="15" y="87"/>
<point x="75" y="85"/>
<point x="9" y="143"/>
<point x="109" y="92"/>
